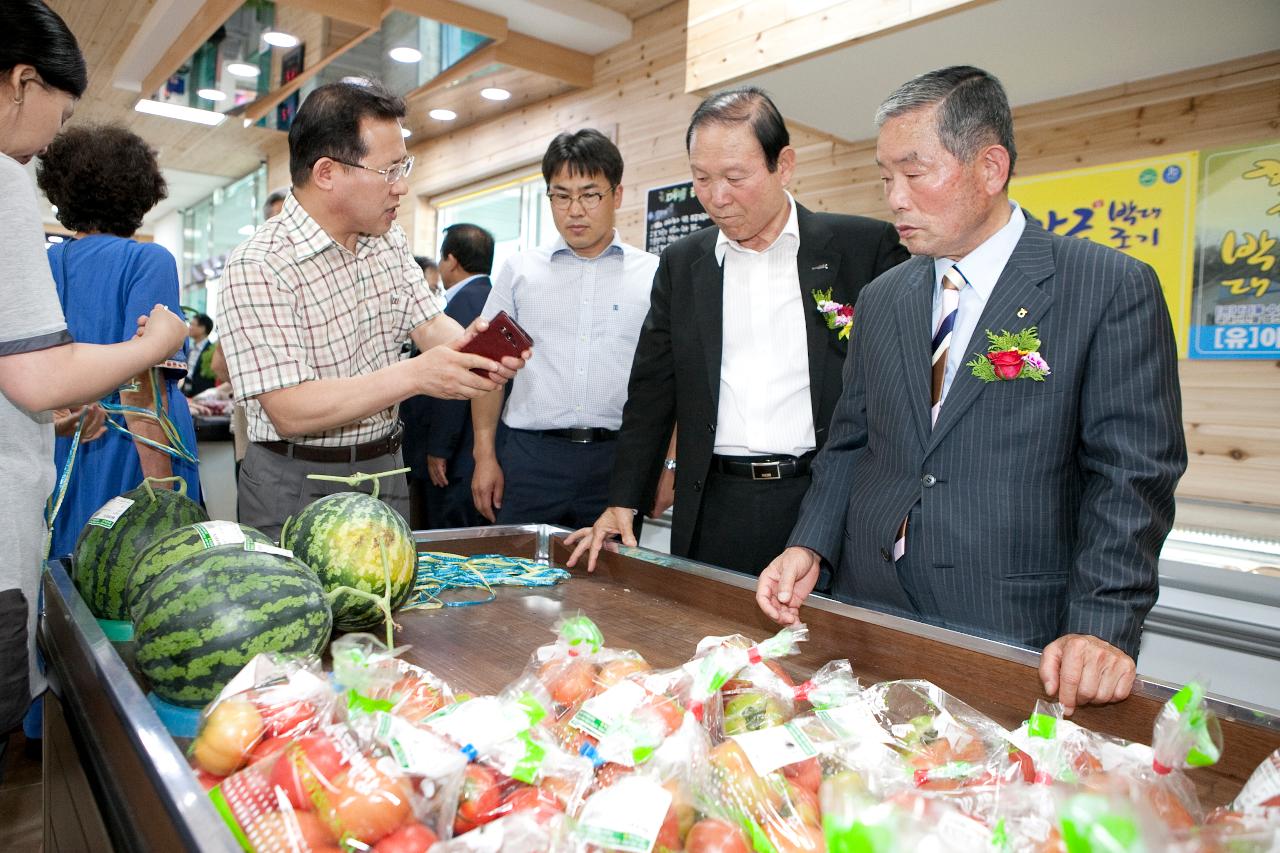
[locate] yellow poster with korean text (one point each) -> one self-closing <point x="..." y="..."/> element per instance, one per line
<point x="1144" y="208"/>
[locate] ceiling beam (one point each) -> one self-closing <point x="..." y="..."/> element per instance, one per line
<point x="213" y="14"/>
<point x="366" y="13"/>
<point x="543" y="57"/>
<point x="455" y="14"/>
<point x="260" y="107"/>
<point x="458" y="71"/>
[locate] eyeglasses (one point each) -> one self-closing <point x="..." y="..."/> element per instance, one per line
<point x="392" y="173"/>
<point x="589" y="201"/>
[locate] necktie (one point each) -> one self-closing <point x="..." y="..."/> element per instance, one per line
<point x="952" y="282"/>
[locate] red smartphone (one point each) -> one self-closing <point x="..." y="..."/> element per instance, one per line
<point x="503" y="337"/>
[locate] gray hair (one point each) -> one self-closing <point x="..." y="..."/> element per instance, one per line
<point x="973" y="109"/>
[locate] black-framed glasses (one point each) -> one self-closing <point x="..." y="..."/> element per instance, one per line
<point x="392" y="173"/>
<point x="589" y="200"/>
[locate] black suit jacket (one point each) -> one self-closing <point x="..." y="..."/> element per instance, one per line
<point x="1038" y="508"/>
<point x="675" y="376"/>
<point x="449" y="433"/>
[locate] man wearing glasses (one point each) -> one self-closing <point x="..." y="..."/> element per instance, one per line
<point x="583" y="299"/>
<point x="317" y="305"/>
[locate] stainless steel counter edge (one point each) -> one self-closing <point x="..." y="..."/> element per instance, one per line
<point x="189" y="805"/>
<point x="1223" y="706"/>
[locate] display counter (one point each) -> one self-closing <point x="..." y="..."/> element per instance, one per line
<point x="659" y="605"/>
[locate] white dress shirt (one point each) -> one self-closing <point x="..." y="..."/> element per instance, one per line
<point x="982" y="268"/>
<point x="765" y="407"/>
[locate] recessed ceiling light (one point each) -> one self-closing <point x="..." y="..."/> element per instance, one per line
<point x="245" y="231"/>
<point x="443" y="115"/>
<point x="405" y="54"/>
<point x="406" y="132"/>
<point x="495" y="94"/>
<point x="212" y="94"/>
<point x="242" y="69"/>
<point x="356" y="81"/>
<point x="160" y="108"/>
<point x="53" y="238"/>
<point x="279" y="39"/>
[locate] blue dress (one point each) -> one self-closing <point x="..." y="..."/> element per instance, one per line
<point x="105" y="284"/>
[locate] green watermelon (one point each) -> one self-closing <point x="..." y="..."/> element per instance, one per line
<point x="169" y="548"/>
<point x="339" y="537"/>
<point x="204" y="618"/>
<point x="110" y="543"/>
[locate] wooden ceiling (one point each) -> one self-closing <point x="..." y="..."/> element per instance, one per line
<point x="105" y="28"/>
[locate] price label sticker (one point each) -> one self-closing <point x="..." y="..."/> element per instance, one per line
<point x="626" y="816"/>
<point x="215" y="533"/>
<point x="109" y="513"/>
<point x="774" y="747"/>
<point x="601" y="713"/>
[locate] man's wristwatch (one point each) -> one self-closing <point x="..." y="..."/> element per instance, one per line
<point x="669" y="464"/>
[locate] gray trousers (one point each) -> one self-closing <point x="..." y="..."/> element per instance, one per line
<point x="273" y="488"/>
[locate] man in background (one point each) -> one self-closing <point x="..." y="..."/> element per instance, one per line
<point x="200" y="376"/>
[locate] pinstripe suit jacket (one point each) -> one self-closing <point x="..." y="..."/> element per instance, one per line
<point x="1038" y="509"/>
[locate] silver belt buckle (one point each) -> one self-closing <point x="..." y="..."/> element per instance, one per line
<point x="766" y="470"/>
<point x="581" y="435"/>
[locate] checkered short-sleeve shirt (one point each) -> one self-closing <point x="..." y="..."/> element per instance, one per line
<point x="296" y="306"/>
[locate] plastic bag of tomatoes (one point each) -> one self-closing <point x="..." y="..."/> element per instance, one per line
<point x="376" y="679"/>
<point x="269" y="703"/>
<point x="327" y="790"/>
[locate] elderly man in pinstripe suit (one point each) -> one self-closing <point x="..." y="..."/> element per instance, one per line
<point x="1026" y="494"/>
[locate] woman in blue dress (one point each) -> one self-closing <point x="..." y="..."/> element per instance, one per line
<point x="103" y="180"/>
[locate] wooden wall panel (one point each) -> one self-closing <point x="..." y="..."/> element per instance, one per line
<point x="1232" y="408"/>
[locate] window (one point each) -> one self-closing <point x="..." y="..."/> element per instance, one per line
<point x="516" y="213"/>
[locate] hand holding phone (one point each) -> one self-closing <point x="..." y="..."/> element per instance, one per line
<point x="503" y="338"/>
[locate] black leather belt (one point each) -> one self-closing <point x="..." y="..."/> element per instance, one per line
<point x="581" y="435"/>
<point x="761" y="467"/>
<point x="349" y="453"/>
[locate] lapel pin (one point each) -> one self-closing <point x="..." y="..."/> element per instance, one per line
<point x="821" y="267"/>
<point x="1022" y="312"/>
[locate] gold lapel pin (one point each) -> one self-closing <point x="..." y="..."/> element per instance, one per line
<point x="1022" y="312"/>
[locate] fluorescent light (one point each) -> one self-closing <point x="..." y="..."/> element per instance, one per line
<point x="242" y="69"/>
<point x="53" y="238"/>
<point x="159" y="108"/>
<point x="405" y="54"/>
<point x="356" y="81"/>
<point x="245" y="231"/>
<point x="406" y="132"/>
<point x="495" y="94"/>
<point x="279" y="39"/>
<point x="443" y="115"/>
<point x="212" y="94"/>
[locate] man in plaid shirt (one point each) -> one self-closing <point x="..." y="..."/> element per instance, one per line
<point x="316" y="308"/>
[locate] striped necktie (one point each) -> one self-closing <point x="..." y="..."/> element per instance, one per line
<point x="952" y="282"/>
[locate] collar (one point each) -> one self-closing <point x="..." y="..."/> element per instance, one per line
<point x="792" y="229"/>
<point x="308" y="238"/>
<point x="450" y="292"/>
<point x="982" y="266"/>
<point x="614" y="247"/>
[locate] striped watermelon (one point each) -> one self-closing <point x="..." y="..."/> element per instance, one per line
<point x="110" y="543"/>
<point x="167" y="549"/>
<point x="203" y="619"/>
<point x="339" y="536"/>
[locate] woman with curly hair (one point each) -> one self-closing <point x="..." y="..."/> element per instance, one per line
<point x="42" y="74"/>
<point x="103" y="180"/>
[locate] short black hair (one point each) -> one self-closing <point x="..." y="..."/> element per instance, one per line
<point x="744" y="104"/>
<point x="203" y="320"/>
<point x="424" y="263"/>
<point x="276" y="196"/>
<point x="101" y="178"/>
<point x="471" y="246"/>
<point x="35" y="35"/>
<point x="328" y="124"/>
<point x="585" y="153"/>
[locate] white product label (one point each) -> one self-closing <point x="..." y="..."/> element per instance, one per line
<point x="417" y="751"/>
<point x="854" y="721"/>
<point x="109" y="513"/>
<point x="256" y="671"/>
<point x="963" y="833"/>
<point x="601" y="713"/>
<point x="774" y="747"/>
<point x="215" y="533"/>
<point x="478" y="723"/>
<point x="626" y="816"/>
<point x="250" y="545"/>
<point x="1263" y="784"/>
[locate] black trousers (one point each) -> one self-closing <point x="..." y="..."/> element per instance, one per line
<point x="550" y="480"/>
<point x="745" y="523"/>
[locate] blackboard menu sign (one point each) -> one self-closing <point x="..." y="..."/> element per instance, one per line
<point x="671" y="212"/>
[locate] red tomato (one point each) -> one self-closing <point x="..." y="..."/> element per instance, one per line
<point x="804" y="805"/>
<point x="608" y="774"/>
<point x="410" y="838"/>
<point x="667" y="709"/>
<point x="301" y="831"/>
<point x="716" y="836"/>
<point x="570" y="682"/>
<point x="313" y="760"/>
<point x="417" y="700"/>
<point x="527" y="798"/>
<point x="207" y="780"/>
<point x="481" y="796"/>
<point x="368" y="805"/>
<point x="268" y="747"/>
<point x="618" y="669"/>
<point x="287" y="719"/>
<point x="807" y="774"/>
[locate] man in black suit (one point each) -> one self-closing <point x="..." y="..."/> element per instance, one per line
<point x="466" y="259"/>
<point x="735" y="349"/>
<point x="1033" y="479"/>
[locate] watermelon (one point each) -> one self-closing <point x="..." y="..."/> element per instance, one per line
<point x="342" y="537"/>
<point x="204" y="618"/>
<point x="170" y="548"/>
<point x="117" y="533"/>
